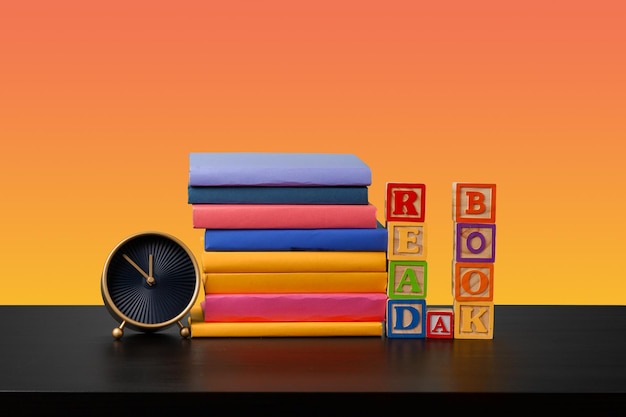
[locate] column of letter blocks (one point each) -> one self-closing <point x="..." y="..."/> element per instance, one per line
<point x="474" y="215"/>
<point x="406" y="260"/>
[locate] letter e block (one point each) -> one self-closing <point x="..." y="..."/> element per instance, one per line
<point x="405" y="202"/>
<point x="406" y="240"/>
<point x="407" y="279"/>
<point x="473" y="281"/>
<point x="474" y="203"/>
<point x="473" y="319"/>
<point x="475" y="242"/>
<point x="439" y="323"/>
<point x="406" y="319"/>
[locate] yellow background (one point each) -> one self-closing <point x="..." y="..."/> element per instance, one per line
<point x="101" y="103"/>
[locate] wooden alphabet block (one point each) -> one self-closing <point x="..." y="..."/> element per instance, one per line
<point x="475" y="242"/>
<point x="407" y="279"/>
<point x="406" y="319"/>
<point x="473" y="281"/>
<point x="405" y="202"/>
<point x="406" y="240"/>
<point x="439" y="323"/>
<point x="473" y="319"/>
<point x="474" y="203"/>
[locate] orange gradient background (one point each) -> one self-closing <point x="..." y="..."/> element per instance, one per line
<point x="101" y="103"/>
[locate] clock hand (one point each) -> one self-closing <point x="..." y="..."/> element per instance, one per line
<point x="149" y="278"/>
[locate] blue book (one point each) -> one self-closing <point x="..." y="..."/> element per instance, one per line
<point x="277" y="195"/>
<point x="277" y="169"/>
<point x="371" y="240"/>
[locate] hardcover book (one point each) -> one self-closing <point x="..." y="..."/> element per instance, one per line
<point x="294" y="282"/>
<point x="283" y="216"/>
<point x="295" y="307"/>
<point x="294" y="261"/>
<point x="277" y="169"/>
<point x="277" y="195"/>
<point x="365" y="239"/>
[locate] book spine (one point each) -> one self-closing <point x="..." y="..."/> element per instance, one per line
<point x="295" y="282"/>
<point x="286" y="329"/>
<point x="294" y="307"/>
<point x="294" y="261"/>
<point x="283" y="216"/>
<point x="277" y="195"/>
<point x="295" y="239"/>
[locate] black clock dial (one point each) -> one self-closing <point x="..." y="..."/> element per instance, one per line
<point x="149" y="280"/>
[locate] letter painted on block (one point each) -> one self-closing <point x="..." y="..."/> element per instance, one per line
<point x="407" y="321"/>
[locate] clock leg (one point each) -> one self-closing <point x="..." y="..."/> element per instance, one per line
<point x="184" y="331"/>
<point x="118" y="332"/>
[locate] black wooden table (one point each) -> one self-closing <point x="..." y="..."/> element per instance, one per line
<point x="64" y="358"/>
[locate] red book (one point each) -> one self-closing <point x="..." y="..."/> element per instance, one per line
<point x="283" y="216"/>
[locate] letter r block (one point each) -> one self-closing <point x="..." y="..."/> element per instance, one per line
<point x="473" y="319"/>
<point x="405" y="202"/>
<point x="439" y="323"/>
<point x="474" y="203"/>
<point x="407" y="279"/>
<point x="406" y="240"/>
<point x="406" y="319"/>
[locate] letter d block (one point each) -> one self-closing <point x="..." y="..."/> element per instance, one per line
<point x="405" y="202"/>
<point x="473" y="319"/>
<point x="406" y="240"/>
<point x="407" y="279"/>
<point x="474" y="203"/>
<point x="406" y="319"/>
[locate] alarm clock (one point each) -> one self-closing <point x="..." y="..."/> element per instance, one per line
<point x="150" y="281"/>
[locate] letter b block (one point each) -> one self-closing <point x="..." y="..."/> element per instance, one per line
<point x="474" y="203"/>
<point x="406" y="319"/>
<point x="405" y="202"/>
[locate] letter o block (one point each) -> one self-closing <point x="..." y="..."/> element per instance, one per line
<point x="406" y="319"/>
<point x="475" y="242"/>
<point x="473" y="281"/>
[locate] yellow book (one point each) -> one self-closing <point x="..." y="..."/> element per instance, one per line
<point x="200" y="328"/>
<point x="294" y="282"/>
<point x="294" y="261"/>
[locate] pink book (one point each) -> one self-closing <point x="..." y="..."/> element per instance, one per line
<point x="294" y="307"/>
<point x="283" y="216"/>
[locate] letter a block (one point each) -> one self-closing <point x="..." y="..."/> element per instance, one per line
<point x="474" y="203"/>
<point x="406" y="240"/>
<point x="473" y="281"/>
<point x="405" y="202"/>
<point x="439" y="323"/>
<point x="473" y="320"/>
<point x="407" y="279"/>
<point x="406" y="319"/>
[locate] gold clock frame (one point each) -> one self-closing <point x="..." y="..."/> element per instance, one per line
<point x="123" y="319"/>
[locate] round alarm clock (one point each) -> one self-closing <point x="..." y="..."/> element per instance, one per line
<point x="150" y="281"/>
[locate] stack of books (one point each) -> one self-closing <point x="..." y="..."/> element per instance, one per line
<point x="292" y="246"/>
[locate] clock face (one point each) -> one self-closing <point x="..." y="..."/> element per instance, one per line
<point x="150" y="280"/>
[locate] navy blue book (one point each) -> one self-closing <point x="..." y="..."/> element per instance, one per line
<point x="371" y="240"/>
<point x="277" y="195"/>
